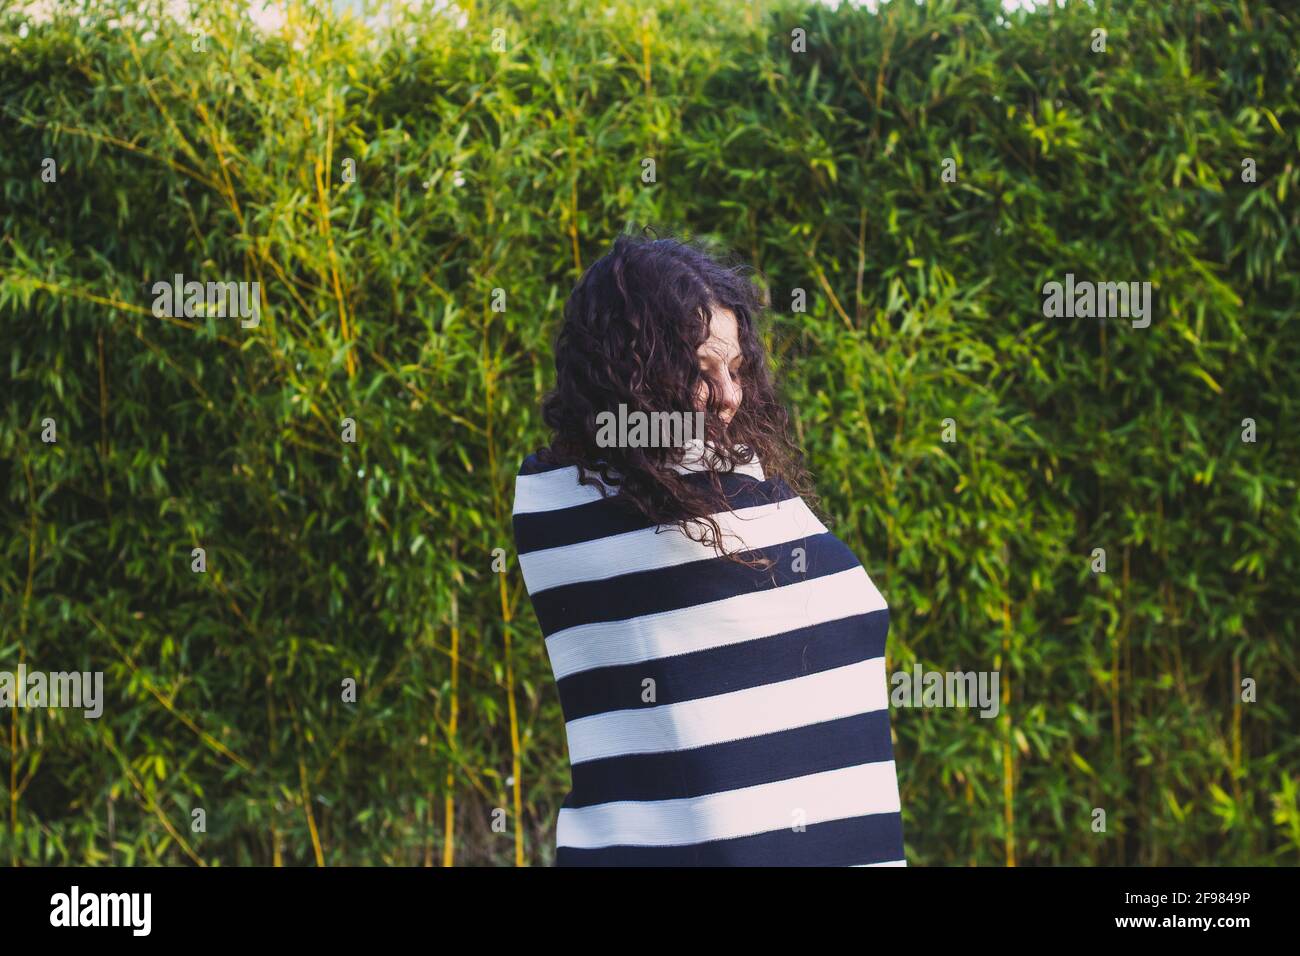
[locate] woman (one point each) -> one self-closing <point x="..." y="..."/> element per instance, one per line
<point x="719" y="654"/>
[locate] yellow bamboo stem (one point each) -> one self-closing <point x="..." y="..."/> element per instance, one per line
<point x="1008" y="757"/>
<point x="449" y="801"/>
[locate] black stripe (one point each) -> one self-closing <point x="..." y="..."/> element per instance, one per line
<point x="719" y="670"/>
<point x="533" y="465"/>
<point x="717" y="768"/>
<point x="639" y="593"/>
<point x="540" y="530"/>
<point x="874" y="838"/>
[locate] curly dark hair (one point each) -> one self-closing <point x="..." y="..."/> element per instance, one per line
<point x="632" y="329"/>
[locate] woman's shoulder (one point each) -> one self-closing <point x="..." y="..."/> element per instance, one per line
<point x="535" y="464"/>
<point x="547" y="484"/>
<point x="544" y="461"/>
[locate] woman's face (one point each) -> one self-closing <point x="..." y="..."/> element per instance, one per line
<point x="720" y="360"/>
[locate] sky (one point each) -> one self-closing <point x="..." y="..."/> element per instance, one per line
<point x="269" y="14"/>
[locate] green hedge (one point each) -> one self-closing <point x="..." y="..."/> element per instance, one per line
<point x="420" y="301"/>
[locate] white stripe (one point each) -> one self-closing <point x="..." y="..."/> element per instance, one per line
<point x="750" y="712"/>
<point x="815" y="798"/>
<point x="650" y="549"/>
<point x="696" y="457"/>
<point x="886" y="863"/>
<point x="552" y="490"/>
<point x="744" y="617"/>
<point x="559" y="488"/>
<point x="753" y="469"/>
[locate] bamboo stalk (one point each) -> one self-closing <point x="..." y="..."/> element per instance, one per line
<point x="149" y="802"/>
<point x="1116" y="712"/>
<point x="322" y="200"/>
<point x="277" y="856"/>
<point x="1008" y="757"/>
<point x="14" y="791"/>
<point x="306" y="805"/>
<point x="516" y="763"/>
<point x="449" y="801"/>
<point x="184" y="718"/>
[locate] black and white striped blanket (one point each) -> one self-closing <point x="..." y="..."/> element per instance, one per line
<point x="716" y="714"/>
